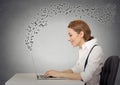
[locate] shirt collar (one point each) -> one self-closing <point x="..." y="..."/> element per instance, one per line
<point x="89" y="44"/>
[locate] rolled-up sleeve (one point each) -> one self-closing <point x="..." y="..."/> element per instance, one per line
<point x="95" y="62"/>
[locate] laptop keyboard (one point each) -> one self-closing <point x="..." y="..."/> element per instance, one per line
<point x="42" y="77"/>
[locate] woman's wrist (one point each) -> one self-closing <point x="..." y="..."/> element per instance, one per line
<point x="61" y="75"/>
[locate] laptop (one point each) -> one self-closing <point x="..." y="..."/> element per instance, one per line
<point x="42" y="77"/>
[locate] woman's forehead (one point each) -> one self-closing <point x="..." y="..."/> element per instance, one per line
<point x="71" y="31"/>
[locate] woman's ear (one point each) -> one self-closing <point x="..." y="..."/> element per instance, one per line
<point x="81" y="34"/>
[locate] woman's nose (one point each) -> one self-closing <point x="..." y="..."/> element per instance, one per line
<point x="68" y="38"/>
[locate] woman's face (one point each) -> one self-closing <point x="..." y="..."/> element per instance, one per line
<point x="74" y="37"/>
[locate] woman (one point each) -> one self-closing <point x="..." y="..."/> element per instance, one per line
<point x="80" y="35"/>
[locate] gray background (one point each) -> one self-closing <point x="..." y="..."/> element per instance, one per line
<point x="50" y="49"/>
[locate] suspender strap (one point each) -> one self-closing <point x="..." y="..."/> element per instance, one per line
<point x="88" y="57"/>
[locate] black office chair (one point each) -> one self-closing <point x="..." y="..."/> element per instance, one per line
<point x="109" y="71"/>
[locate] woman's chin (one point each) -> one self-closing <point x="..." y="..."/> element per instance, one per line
<point x="74" y="45"/>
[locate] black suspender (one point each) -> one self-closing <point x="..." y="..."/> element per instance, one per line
<point x="88" y="57"/>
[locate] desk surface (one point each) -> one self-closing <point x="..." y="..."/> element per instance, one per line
<point x="30" y="79"/>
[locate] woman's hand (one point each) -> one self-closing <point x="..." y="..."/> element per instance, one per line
<point x="52" y="73"/>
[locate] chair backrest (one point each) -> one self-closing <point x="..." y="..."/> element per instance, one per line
<point x="109" y="71"/>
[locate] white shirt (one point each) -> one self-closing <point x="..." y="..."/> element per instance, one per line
<point x="91" y="75"/>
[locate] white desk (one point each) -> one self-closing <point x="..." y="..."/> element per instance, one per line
<point x="30" y="79"/>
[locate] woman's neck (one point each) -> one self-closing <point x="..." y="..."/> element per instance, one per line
<point x="81" y="43"/>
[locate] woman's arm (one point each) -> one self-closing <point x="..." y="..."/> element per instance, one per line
<point x="65" y="74"/>
<point x="67" y="71"/>
<point x="72" y="76"/>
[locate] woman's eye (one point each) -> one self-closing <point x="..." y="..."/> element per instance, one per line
<point x="70" y="35"/>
